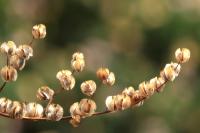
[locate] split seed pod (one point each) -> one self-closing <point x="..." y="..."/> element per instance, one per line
<point x="24" y="51"/>
<point x="66" y="79"/>
<point x="88" y="87"/>
<point x="39" y="31"/>
<point x="17" y="62"/>
<point x="45" y="93"/>
<point x="182" y="55"/>
<point x="78" y="62"/>
<point x="8" y="47"/>
<point x="8" y="73"/>
<point x="54" y="112"/>
<point x="34" y="110"/>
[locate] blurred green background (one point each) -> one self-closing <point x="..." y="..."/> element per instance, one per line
<point x="134" y="38"/>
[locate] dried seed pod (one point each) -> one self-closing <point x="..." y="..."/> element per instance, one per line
<point x="75" y="121"/>
<point x="128" y="91"/>
<point x="16" y="110"/>
<point x="137" y="96"/>
<point x="45" y="93"/>
<point x="87" y="107"/>
<point x="17" y="62"/>
<point x="126" y="103"/>
<point x="74" y="109"/>
<point x="33" y="110"/>
<point x="8" y="47"/>
<point x="54" y="112"/>
<point x="5" y="105"/>
<point x="78" y="65"/>
<point x="103" y="73"/>
<point x="110" y="80"/>
<point x="182" y="55"/>
<point x="8" y="73"/>
<point x="88" y="87"/>
<point x="77" y="56"/>
<point x="39" y="31"/>
<point x="66" y="79"/>
<point x="78" y="62"/>
<point x="169" y="72"/>
<point x="160" y="84"/>
<point x="110" y="104"/>
<point x="24" y="51"/>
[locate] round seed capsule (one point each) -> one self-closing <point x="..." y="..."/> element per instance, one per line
<point x="45" y="93"/>
<point x="88" y="87"/>
<point x="8" y="73"/>
<point x="24" y="51"/>
<point x="8" y="47"/>
<point x="39" y="31"/>
<point x="54" y="112"/>
<point x="33" y="110"/>
<point x="17" y="62"/>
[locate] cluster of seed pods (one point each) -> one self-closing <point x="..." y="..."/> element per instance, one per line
<point x="17" y="56"/>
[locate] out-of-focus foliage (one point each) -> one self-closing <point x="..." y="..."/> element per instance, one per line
<point x="134" y="38"/>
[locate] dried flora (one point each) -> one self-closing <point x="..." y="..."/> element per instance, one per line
<point x="17" y="57"/>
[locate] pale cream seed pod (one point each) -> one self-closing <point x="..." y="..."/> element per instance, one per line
<point x="39" y="31"/>
<point x="110" y="79"/>
<point x="74" y="109"/>
<point x="160" y="83"/>
<point x="75" y="121"/>
<point x="77" y="56"/>
<point x="45" y="93"/>
<point x="33" y="110"/>
<point x="88" y="87"/>
<point x="24" y="51"/>
<point x="128" y="91"/>
<point x="87" y="107"/>
<point x="78" y="62"/>
<point x="142" y="89"/>
<point x="8" y="73"/>
<point x="126" y="103"/>
<point x="110" y="104"/>
<point x="16" y="110"/>
<point x="17" y="62"/>
<point x="182" y="55"/>
<point x="5" y="105"/>
<point x="169" y="72"/>
<point x="8" y="47"/>
<point x="137" y="96"/>
<point x="78" y="65"/>
<point x="66" y="79"/>
<point x="54" y="112"/>
<point x="118" y="99"/>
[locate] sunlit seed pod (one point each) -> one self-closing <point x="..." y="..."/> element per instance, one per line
<point x="8" y="73"/>
<point x="110" y="104"/>
<point x="78" y="65"/>
<point x="88" y="87"/>
<point x="169" y="72"/>
<point x="74" y="109"/>
<point x="160" y="84"/>
<point x="17" y="62"/>
<point x="118" y="99"/>
<point x="110" y="80"/>
<point x="182" y="55"/>
<point x="54" y="112"/>
<point x="103" y="73"/>
<point x="126" y="103"/>
<point x="66" y="79"/>
<point x="39" y="31"/>
<point x="16" y="110"/>
<point x="128" y="91"/>
<point x="75" y="121"/>
<point x="153" y="82"/>
<point x="45" y="93"/>
<point x="176" y="67"/>
<point x="137" y="96"/>
<point x="3" y="102"/>
<point x="8" y="47"/>
<point x="33" y="110"/>
<point x="150" y="89"/>
<point x="77" y="56"/>
<point x="87" y="107"/>
<point x="5" y="105"/>
<point x="142" y="89"/>
<point x="24" y="51"/>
